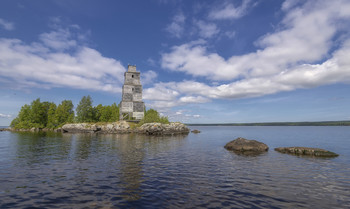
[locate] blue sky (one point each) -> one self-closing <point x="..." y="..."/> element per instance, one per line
<point x="200" y="61"/>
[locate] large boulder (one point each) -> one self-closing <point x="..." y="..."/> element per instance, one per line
<point x="306" y="151"/>
<point x="245" y="145"/>
<point x="163" y="129"/>
<point x="80" y="128"/>
<point x="116" y="127"/>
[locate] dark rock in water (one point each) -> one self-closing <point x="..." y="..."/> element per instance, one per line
<point x="306" y="151"/>
<point x="246" y="145"/>
<point x="195" y="131"/>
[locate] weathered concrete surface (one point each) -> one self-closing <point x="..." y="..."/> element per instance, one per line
<point x="162" y="129"/>
<point x="306" y="151"/>
<point x="245" y="145"/>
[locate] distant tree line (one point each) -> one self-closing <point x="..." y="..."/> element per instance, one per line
<point x="48" y="115"/>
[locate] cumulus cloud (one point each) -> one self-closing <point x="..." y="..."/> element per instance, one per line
<point x="176" y="27"/>
<point x="148" y="77"/>
<point x="5" y="116"/>
<point x="160" y="92"/>
<point x="297" y="55"/>
<point x="229" y="11"/>
<point x="58" y="40"/>
<point x="206" y="30"/>
<point x="6" y="24"/>
<point x="57" y="61"/>
<point x="334" y="70"/>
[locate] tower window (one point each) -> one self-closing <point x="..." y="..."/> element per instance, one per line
<point x="132" y="76"/>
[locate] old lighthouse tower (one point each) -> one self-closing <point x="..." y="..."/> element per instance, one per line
<point x="132" y="107"/>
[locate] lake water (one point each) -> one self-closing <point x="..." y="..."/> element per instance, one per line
<point x="195" y="171"/>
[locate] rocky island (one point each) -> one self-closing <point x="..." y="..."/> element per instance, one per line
<point x="121" y="127"/>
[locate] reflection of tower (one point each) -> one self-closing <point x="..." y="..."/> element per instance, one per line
<point x="132" y="107"/>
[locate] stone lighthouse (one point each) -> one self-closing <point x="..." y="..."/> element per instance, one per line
<point x="132" y="107"/>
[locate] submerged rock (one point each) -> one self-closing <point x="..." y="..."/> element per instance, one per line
<point x="163" y="129"/>
<point x="195" y="131"/>
<point x="245" y="145"/>
<point x="306" y="151"/>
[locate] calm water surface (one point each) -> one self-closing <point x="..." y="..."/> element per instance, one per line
<point x="195" y="171"/>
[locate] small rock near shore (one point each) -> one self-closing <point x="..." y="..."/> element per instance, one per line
<point x="195" y="131"/>
<point x="306" y="151"/>
<point x="245" y="145"/>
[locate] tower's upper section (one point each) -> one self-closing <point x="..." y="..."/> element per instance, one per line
<point x="132" y="77"/>
<point x="131" y="68"/>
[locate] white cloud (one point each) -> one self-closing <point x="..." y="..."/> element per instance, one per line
<point x="230" y="34"/>
<point x="206" y="30"/>
<point x="58" y="40"/>
<point x="160" y="92"/>
<point x="148" y="77"/>
<point x="44" y="64"/>
<point x="6" y="24"/>
<point x="306" y="37"/>
<point x="334" y="70"/>
<point x="176" y="27"/>
<point x="229" y="11"/>
<point x="288" y="4"/>
<point x="193" y="99"/>
<point x="5" y="116"/>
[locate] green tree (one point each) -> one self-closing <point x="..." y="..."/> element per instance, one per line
<point x="108" y="113"/>
<point x="23" y="120"/>
<point x="85" y="111"/>
<point x="98" y="112"/>
<point x="64" y="113"/>
<point x="38" y="114"/>
<point x="114" y="112"/>
<point x="51" y="116"/>
<point x="152" y="116"/>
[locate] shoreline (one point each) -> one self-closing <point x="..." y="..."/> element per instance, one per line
<point x="317" y="123"/>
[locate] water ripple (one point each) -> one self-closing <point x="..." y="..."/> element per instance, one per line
<point x="194" y="171"/>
